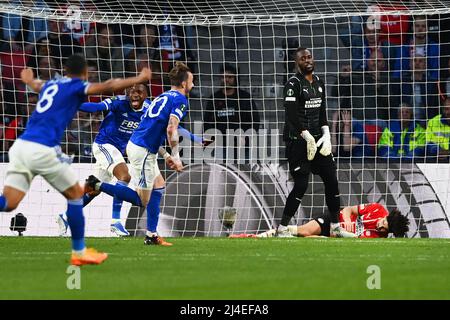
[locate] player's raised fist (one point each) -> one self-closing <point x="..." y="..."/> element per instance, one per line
<point x="146" y="74"/>
<point x="27" y="75"/>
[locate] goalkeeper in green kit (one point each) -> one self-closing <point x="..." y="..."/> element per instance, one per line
<point x="308" y="143"/>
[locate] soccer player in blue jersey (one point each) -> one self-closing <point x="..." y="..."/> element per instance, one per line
<point x="159" y="122"/>
<point x="37" y="151"/>
<point x="125" y="113"/>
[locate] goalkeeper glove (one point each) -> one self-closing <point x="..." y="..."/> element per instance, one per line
<point x="311" y="147"/>
<point x="325" y="142"/>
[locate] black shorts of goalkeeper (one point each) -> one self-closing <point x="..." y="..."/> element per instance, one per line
<point x="299" y="163"/>
<point x="324" y="223"/>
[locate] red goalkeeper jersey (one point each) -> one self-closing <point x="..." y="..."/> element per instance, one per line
<point x="365" y="224"/>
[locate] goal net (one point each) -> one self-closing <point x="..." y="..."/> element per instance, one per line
<point x="386" y="69"/>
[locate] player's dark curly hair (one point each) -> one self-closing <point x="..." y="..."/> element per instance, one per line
<point x="397" y="223"/>
<point x="178" y="74"/>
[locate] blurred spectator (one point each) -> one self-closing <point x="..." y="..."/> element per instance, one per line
<point x="79" y="30"/>
<point x="173" y="47"/>
<point x="447" y="82"/>
<point x="81" y="134"/>
<point x="418" y="91"/>
<point x="94" y="77"/>
<point x="393" y="27"/>
<point x="12" y="126"/>
<point x="148" y="43"/>
<point x="32" y="29"/>
<point x="403" y="138"/>
<point x="40" y="49"/>
<point x="13" y="58"/>
<point x="156" y="83"/>
<point x="231" y="108"/>
<point x="348" y="136"/>
<point x="47" y="69"/>
<point x="391" y="30"/>
<point x="419" y="45"/>
<point x="361" y="52"/>
<point x="366" y="93"/>
<point x="438" y="135"/>
<point x="290" y="46"/>
<point x="104" y="51"/>
<point x="62" y="45"/>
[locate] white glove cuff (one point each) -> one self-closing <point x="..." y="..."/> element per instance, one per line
<point x="325" y="130"/>
<point x="305" y="134"/>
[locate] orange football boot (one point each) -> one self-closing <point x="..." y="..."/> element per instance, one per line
<point x="90" y="256"/>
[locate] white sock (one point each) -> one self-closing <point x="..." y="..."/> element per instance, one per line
<point x="267" y="234"/>
<point x="79" y="252"/>
<point x="293" y="230"/>
<point x="115" y="221"/>
<point x="151" y="234"/>
<point x="334" y="225"/>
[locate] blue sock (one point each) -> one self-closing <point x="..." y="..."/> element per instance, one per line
<point x="117" y="203"/>
<point x="75" y="219"/>
<point x="153" y="208"/>
<point x="122" y="193"/>
<point x="3" y="203"/>
<point x="87" y="199"/>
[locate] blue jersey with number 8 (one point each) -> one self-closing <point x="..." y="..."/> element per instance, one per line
<point x="151" y="132"/>
<point x="58" y="103"/>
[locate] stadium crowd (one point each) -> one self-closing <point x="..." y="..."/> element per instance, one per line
<point x="392" y="93"/>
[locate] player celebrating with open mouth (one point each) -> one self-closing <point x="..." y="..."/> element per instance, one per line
<point x="160" y="121"/>
<point x="109" y="148"/>
<point x="38" y="151"/>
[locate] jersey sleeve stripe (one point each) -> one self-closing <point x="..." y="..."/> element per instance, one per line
<point x="176" y="116"/>
<point x="106" y="104"/>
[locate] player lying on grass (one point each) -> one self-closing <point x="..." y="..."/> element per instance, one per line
<point x="366" y="221"/>
<point x="125" y="113"/>
<point x="37" y="151"/>
<point x="160" y="120"/>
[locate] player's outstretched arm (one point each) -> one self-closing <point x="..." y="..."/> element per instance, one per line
<point x="27" y="77"/>
<point x="93" y="107"/>
<point x="194" y="138"/>
<point x="119" y="84"/>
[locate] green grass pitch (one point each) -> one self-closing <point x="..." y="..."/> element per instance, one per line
<point x="208" y="268"/>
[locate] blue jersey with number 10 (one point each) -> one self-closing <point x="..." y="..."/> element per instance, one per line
<point x="151" y="132"/>
<point x="58" y="103"/>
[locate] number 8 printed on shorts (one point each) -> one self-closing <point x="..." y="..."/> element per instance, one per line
<point x="46" y="100"/>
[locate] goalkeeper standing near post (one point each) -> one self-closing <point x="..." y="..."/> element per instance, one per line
<point x="308" y="143"/>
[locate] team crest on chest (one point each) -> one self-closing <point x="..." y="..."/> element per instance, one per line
<point x="290" y="92"/>
<point x="320" y="89"/>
